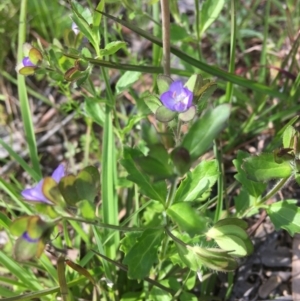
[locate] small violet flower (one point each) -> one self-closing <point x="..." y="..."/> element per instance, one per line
<point x="32" y="58"/>
<point x="178" y="98"/>
<point x="36" y="193"/>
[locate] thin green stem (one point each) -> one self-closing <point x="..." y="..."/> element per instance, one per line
<point x="174" y="237"/>
<point x="156" y="50"/>
<point x="219" y="206"/>
<point x="108" y="226"/>
<point x="229" y="87"/>
<point x="197" y="9"/>
<point x="87" y="142"/>
<point x="278" y="186"/>
<point x="230" y="279"/>
<point x="165" y="15"/>
<point x="263" y="57"/>
<point x="172" y="192"/>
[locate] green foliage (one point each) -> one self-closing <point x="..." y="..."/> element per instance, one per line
<point x="210" y="11"/>
<point x="197" y="182"/>
<point x="202" y="133"/>
<point x="196" y="257"/>
<point x="230" y="235"/>
<point x="187" y="219"/>
<point x="126" y="80"/>
<point x="253" y="188"/>
<point x="263" y="168"/>
<point x="156" y="191"/>
<point x="156" y="185"/>
<point x="143" y="254"/>
<point x="285" y="215"/>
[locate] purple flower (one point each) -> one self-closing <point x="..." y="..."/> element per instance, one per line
<point x="36" y="193"/>
<point x="177" y="98"/>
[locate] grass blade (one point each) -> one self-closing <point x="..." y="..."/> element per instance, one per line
<point x="24" y="103"/>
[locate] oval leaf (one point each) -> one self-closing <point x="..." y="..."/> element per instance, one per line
<point x="202" y="133"/>
<point x="187" y="218"/>
<point x="263" y="168"/>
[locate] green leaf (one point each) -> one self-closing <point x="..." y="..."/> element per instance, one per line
<point x="19" y="225"/>
<point x="244" y="201"/>
<point x="181" y="160"/>
<point x="159" y="152"/>
<point x="197" y="182"/>
<point x="5" y="222"/>
<point x="178" y="33"/>
<point x="87" y="183"/>
<point x="126" y="80"/>
<point x="253" y="188"/>
<point x="112" y="48"/>
<point x="163" y="83"/>
<point x="188" y="115"/>
<point x="202" y="133"/>
<point x="153" y="167"/>
<point x="195" y="257"/>
<point x="152" y="102"/>
<point x="285" y="215"/>
<point x="83" y="18"/>
<point x="132" y="121"/>
<point x="24" y="250"/>
<point x="189" y="258"/>
<point x="67" y="189"/>
<point x="210" y="88"/>
<point x="143" y="254"/>
<point x="27" y="71"/>
<point x="194" y="83"/>
<point x="187" y="218"/>
<point x="263" y="168"/>
<point x="93" y="109"/>
<point x="209" y="13"/>
<point x="87" y="210"/>
<point x="164" y="115"/>
<point x="231" y="236"/>
<point x="36" y="227"/>
<point x="288" y="137"/>
<point x="156" y="191"/>
<point x="235" y="245"/>
<point x="35" y="56"/>
<point x="129" y="241"/>
<point x="232" y="221"/>
<point x="51" y="191"/>
<point x="202" y="89"/>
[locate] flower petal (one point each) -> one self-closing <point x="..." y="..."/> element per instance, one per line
<point x="168" y="100"/>
<point x="176" y="86"/>
<point x="27" y="62"/>
<point x="58" y="173"/>
<point x="35" y="194"/>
